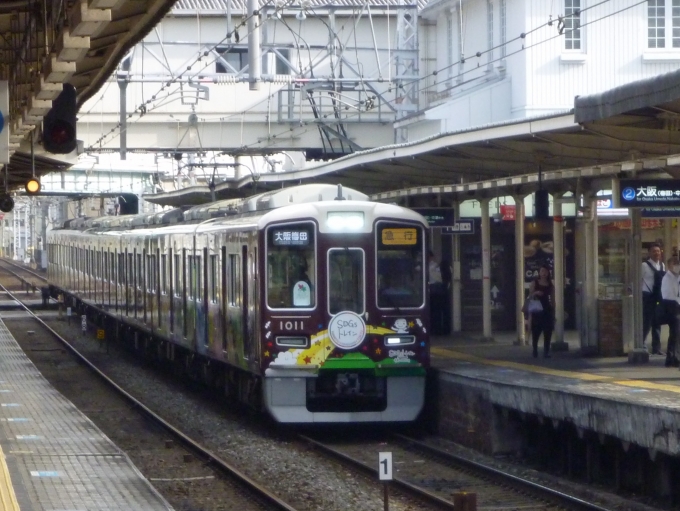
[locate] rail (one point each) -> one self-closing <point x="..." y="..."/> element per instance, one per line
<point x="212" y="458"/>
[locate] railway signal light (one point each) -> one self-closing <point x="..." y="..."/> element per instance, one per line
<point x="59" y="125"/>
<point x="6" y="203"/>
<point x="32" y="186"/>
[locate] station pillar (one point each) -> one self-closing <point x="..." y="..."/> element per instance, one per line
<point x="638" y="355"/>
<point x="519" y="269"/>
<point x="456" y="306"/>
<point x="588" y="287"/>
<point x="486" y="269"/>
<point x="558" y="269"/>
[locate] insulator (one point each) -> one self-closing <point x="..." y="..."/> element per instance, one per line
<point x="226" y="79"/>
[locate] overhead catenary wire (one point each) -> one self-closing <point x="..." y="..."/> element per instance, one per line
<point x="142" y="108"/>
<point x="479" y="54"/>
<point x="303" y="124"/>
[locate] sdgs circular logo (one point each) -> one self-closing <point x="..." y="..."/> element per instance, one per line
<point x="628" y="193"/>
<point x="347" y="330"/>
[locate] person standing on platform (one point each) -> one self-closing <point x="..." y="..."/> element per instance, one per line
<point x="653" y="271"/>
<point x="670" y="294"/>
<point x="436" y="288"/>
<point x="543" y="289"/>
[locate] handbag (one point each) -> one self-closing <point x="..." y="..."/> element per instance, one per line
<point x="534" y="306"/>
<point x="664" y="311"/>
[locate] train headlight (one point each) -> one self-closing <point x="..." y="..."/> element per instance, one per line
<point x="292" y="342"/>
<point x="343" y="221"/>
<point x="399" y="340"/>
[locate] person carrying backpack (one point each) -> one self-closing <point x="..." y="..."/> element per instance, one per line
<point x="653" y="271"/>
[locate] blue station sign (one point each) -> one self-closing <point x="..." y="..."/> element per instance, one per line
<point x="460" y="227"/>
<point x="649" y="193"/>
<point x="437" y="217"/>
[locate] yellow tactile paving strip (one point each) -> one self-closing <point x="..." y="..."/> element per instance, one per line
<point x="7" y="497"/>
<point x="466" y="357"/>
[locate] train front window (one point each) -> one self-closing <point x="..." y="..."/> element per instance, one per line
<point x="346" y="280"/>
<point x="291" y="270"/>
<point x="400" y="272"/>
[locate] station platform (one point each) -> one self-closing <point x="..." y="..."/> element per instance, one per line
<point x="638" y="404"/>
<point x="52" y="457"/>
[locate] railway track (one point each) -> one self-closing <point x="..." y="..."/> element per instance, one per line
<point x="30" y="281"/>
<point x="426" y="477"/>
<point x="236" y="489"/>
<point x="433" y="476"/>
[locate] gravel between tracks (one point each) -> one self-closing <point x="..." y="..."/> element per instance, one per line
<point x="297" y="474"/>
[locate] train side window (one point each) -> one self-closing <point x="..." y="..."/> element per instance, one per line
<point x="234" y="278"/>
<point x="151" y="273"/>
<point x="130" y="264"/>
<point x="140" y="272"/>
<point x="213" y="278"/>
<point x="346" y="279"/>
<point x="178" y="274"/>
<point x="164" y="274"/>
<point x="291" y="269"/>
<point x="199" y="278"/>
<point x="121" y="269"/>
<point x="190" y="266"/>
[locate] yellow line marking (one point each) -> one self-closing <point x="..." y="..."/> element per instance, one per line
<point x="457" y="355"/>
<point x="7" y="497"/>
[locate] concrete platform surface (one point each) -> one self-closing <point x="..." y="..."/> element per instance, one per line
<point x="633" y="403"/>
<point x="52" y="457"/>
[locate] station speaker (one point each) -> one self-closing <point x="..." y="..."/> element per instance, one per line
<point x="541" y="204"/>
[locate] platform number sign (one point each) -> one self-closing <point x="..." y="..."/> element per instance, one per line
<point x="4" y="122"/>
<point x="385" y="466"/>
<point x="101" y="335"/>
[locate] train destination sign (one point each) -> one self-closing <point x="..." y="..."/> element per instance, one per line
<point x="399" y="236"/>
<point x="281" y="237"/>
<point x="638" y="193"/>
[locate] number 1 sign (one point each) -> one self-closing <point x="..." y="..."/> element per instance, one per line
<point x="385" y="466"/>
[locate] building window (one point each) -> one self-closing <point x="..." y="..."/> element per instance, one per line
<point x="231" y="60"/>
<point x="489" y="28"/>
<point x="503" y="32"/>
<point x="449" y="43"/>
<point x="572" y="24"/>
<point x="663" y="31"/>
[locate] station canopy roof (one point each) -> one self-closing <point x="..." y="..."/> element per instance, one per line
<point x="634" y="127"/>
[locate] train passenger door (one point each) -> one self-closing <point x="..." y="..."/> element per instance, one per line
<point x="245" y="301"/>
<point x="224" y="302"/>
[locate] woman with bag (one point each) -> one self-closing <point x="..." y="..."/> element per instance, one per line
<point x="540" y="306"/>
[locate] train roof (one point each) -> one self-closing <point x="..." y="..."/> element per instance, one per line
<point x="253" y="207"/>
<point x="272" y="200"/>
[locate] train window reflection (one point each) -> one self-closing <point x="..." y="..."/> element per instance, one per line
<point x="400" y="270"/>
<point x="291" y="271"/>
<point x="346" y="280"/>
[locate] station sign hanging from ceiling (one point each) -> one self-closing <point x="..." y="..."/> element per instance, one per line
<point x="648" y="193"/>
<point x="437" y="217"/>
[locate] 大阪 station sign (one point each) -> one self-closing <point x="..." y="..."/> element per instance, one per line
<point x="648" y="193"/>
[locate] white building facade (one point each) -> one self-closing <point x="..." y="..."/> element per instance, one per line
<point x="487" y="61"/>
